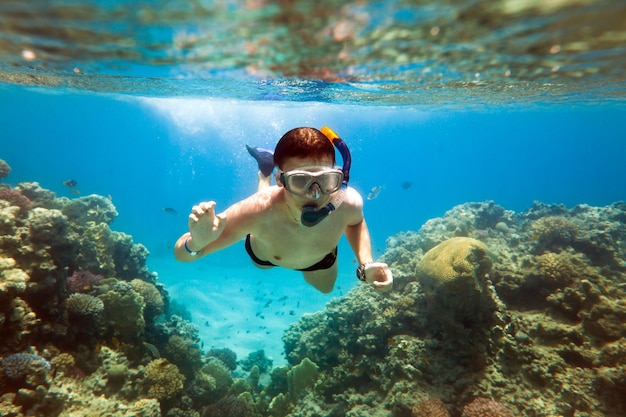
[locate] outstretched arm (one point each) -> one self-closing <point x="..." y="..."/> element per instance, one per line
<point x="376" y="273"/>
<point x="210" y="233"/>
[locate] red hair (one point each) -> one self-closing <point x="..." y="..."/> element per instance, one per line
<point x="303" y="142"/>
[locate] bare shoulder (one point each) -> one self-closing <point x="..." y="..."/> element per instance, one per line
<point x="352" y="206"/>
<point x="353" y="198"/>
<point x="255" y="205"/>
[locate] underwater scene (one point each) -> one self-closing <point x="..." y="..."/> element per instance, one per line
<point x="486" y="150"/>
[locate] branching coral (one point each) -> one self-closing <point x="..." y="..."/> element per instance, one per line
<point x="15" y="198"/>
<point x="84" y="305"/>
<point x="555" y="268"/>
<point x="164" y="379"/>
<point x="18" y="365"/>
<point x="553" y="232"/>
<point x="184" y="353"/>
<point x="151" y="297"/>
<point x="228" y="358"/>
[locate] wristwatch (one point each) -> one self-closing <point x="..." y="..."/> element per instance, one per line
<point x="191" y="252"/>
<point x="360" y="271"/>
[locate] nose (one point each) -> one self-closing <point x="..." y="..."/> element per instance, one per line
<point x="314" y="191"/>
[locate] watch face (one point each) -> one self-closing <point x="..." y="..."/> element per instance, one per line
<point x="360" y="273"/>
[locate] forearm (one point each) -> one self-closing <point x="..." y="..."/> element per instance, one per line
<point x="358" y="236"/>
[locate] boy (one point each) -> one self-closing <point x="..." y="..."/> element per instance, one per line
<point x="272" y="222"/>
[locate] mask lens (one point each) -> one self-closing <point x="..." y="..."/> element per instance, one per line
<point x="298" y="183"/>
<point x="329" y="182"/>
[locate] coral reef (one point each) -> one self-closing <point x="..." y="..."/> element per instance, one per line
<point x="493" y="313"/>
<point x="522" y="310"/>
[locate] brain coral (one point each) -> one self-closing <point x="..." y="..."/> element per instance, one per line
<point x="430" y="407"/>
<point x="555" y="268"/>
<point x="84" y="305"/>
<point x="484" y="407"/>
<point x="451" y="261"/>
<point x="164" y="379"/>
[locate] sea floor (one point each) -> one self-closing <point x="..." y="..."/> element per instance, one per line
<point x="242" y="307"/>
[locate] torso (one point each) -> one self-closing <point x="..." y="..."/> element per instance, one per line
<point x="279" y="237"/>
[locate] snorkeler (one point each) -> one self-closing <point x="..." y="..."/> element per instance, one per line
<point x="297" y="223"/>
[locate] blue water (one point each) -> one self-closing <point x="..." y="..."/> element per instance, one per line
<point x="148" y="154"/>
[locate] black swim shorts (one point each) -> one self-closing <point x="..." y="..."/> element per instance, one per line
<point x="328" y="261"/>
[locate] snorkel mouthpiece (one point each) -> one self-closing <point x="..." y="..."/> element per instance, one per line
<point x="311" y="215"/>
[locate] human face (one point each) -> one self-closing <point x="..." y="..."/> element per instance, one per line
<point x="310" y="179"/>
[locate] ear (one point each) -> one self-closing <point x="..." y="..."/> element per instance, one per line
<point x="278" y="181"/>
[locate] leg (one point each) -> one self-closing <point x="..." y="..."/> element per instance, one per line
<point x="264" y="182"/>
<point x="265" y="159"/>
<point x="322" y="279"/>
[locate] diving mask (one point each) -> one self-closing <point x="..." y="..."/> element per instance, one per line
<point x="299" y="181"/>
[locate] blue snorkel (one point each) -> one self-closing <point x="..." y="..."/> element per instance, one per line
<point x="310" y="214"/>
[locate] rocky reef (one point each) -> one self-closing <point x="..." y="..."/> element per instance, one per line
<point x="87" y="330"/>
<point x="493" y="313"/>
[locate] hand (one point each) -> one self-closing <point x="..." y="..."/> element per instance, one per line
<point x="204" y="225"/>
<point x="379" y="275"/>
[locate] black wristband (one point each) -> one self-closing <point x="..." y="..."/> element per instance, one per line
<point x="360" y="271"/>
<point x="191" y="252"/>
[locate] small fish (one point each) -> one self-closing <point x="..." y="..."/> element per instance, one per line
<point x="374" y="192"/>
<point x="406" y="185"/>
<point x="70" y="183"/>
<point x="152" y="349"/>
<point x="75" y="191"/>
<point x="169" y="210"/>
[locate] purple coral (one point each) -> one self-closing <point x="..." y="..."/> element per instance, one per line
<point x="15" y="198"/>
<point x="18" y="365"/>
<point x="484" y="407"/>
<point x="83" y="281"/>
